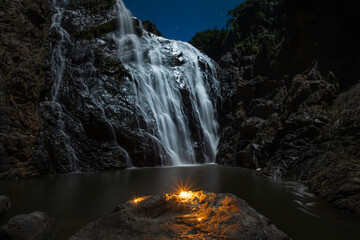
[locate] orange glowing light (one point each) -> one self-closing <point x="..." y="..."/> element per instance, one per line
<point x="137" y="200"/>
<point x="184" y="185"/>
<point x="199" y="219"/>
<point x="185" y="194"/>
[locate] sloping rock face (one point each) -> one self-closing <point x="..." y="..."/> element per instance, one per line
<point x="89" y="89"/>
<point x="24" y="52"/>
<point x="191" y="215"/>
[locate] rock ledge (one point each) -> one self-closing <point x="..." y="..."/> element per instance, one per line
<point x="189" y="215"/>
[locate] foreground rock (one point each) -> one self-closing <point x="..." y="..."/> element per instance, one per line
<point x="26" y="226"/>
<point x="190" y="215"/>
<point x="5" y="204"/>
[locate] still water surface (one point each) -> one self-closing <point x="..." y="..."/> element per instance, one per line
<point x="76" y="199"/>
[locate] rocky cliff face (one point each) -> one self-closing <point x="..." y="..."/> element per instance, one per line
<point x="69" y="102"/>
<point x="89" y="89"/>
<point x="24" y="53"/>
<point x="286" y="108"/>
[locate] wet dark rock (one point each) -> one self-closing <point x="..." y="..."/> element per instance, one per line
<point x="27" y="226"/>
<point x="92" y="6"/>
<point x="201" y="215"/>
<point x="5" y="204"/>
<point x="151" y="28"/>
<point x="95" y="126"/>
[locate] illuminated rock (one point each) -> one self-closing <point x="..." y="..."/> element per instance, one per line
<point x="189" y="215"/>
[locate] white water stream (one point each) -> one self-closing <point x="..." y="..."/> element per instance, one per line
<point x="161" y="69"/>
<point x="172" y="83"/>
<point x="58" y="63"/>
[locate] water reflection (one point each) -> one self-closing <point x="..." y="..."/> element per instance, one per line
<point x="76" y="199"/>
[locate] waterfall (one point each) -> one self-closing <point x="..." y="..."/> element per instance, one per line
<point x="162" y="71"/>
<point x="58" y="63"/>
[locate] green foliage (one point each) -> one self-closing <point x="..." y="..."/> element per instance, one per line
<point x="98" y="31"/>
<point x="257" y="24"/>
<point x="93" y="6"/>
<point x="210" y="42"/>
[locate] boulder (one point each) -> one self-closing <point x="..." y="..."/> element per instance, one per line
<point x="5" y="204"/>
<point x="250" y="127"/>
<point x="189" y="215"/>
<point x="263" y="109"/>
<point x="26" y="226"/>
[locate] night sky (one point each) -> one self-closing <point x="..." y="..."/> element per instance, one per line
<point x="181" y="19"/>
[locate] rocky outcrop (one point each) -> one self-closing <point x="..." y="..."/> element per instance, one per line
<point x="276" y="120"/>
<point x="89" y="118"/>
<point x="190" y="215"/>
<point x="335" y="173"/>
<point x="24" y="27"/>
<point x="5" y="204"/>
<point x="27" y="226"/>
<point x="151" y="28"/>
<point x="286" y="108"/>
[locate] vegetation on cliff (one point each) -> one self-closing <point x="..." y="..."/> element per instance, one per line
<point x="210" y="42"/>
<point x="253" y="25"/>
<point x="256" y="24"/>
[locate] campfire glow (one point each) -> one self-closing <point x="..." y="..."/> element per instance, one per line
<point x="186" y="194"/>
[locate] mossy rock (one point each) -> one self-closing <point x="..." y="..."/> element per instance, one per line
<point x="93" y="6"/>
<point x="97" y="31"/>
<point x="114" y="68"/>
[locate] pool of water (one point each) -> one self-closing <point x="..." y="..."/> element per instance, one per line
<point x="76" y="199"/>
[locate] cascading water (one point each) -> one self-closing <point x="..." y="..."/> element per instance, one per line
<point x="58" y="63"/>
<point x="61" y="41"/>
<point x="162" y="71"/>
<point x="158" y="110"/>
